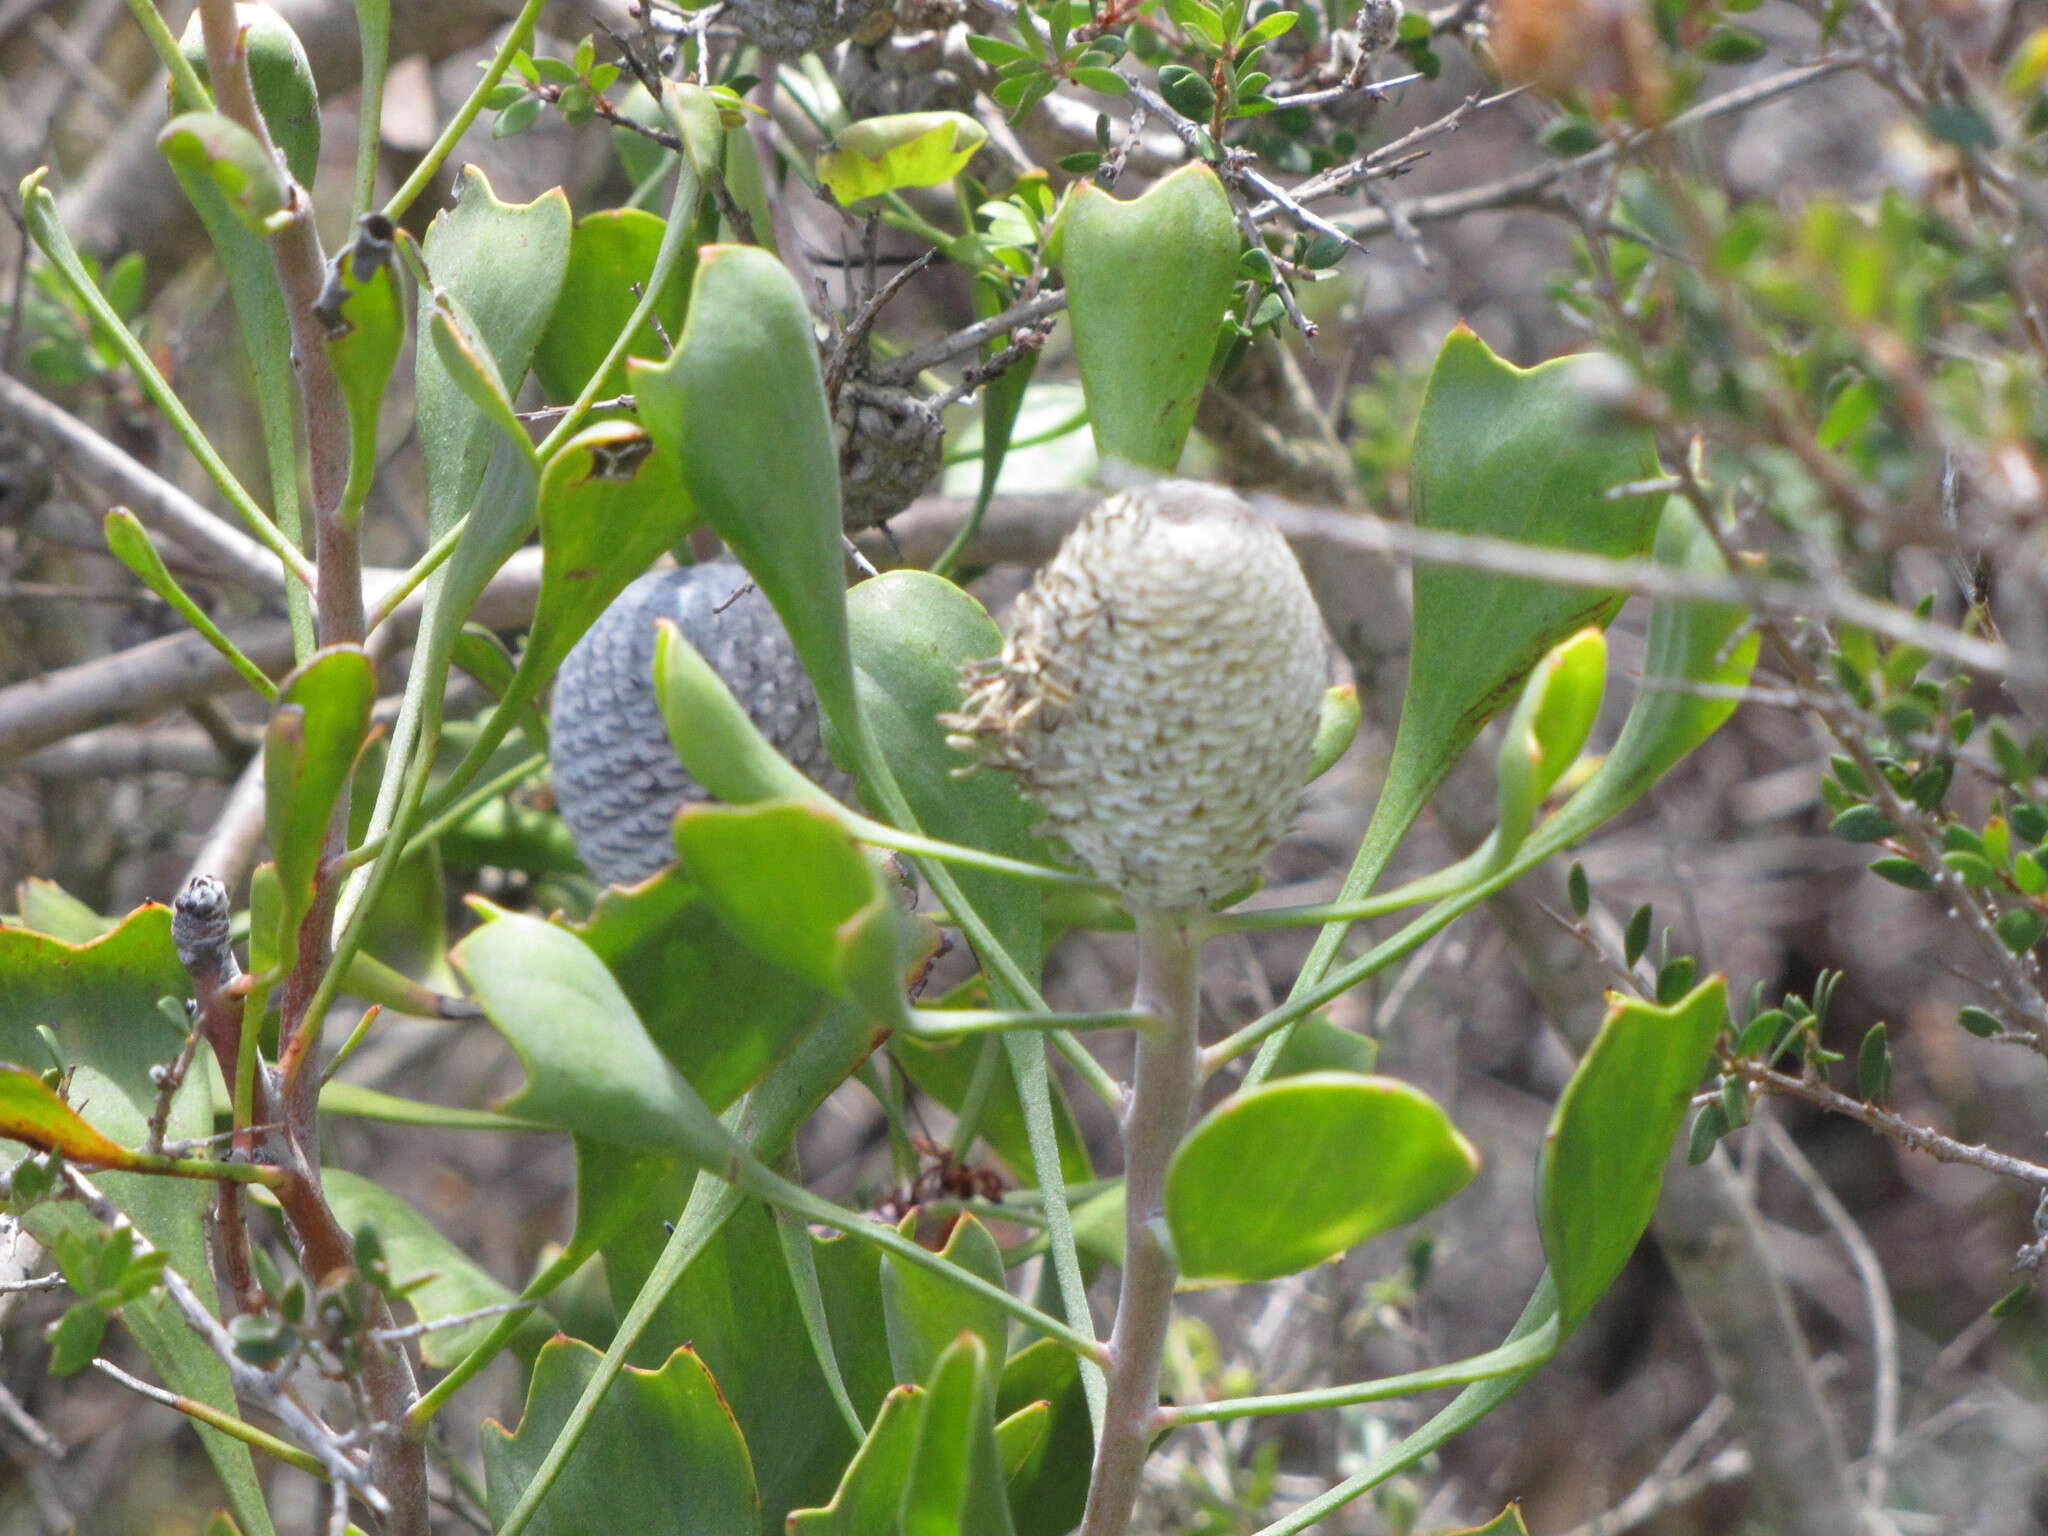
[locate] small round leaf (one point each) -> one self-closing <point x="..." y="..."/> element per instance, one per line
<point x="1296" y="1171"/>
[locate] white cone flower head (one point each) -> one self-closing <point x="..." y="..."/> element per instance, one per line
<point x="1159" y="693"/>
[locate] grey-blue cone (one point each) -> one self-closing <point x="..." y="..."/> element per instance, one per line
<point x="617" y="780"/>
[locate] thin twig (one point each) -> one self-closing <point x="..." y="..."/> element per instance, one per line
<point x="1877" y="1301"/>
<point x="1919" y="1138"/>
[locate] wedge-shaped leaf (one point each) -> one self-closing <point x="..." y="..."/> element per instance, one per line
<point x="909" y="149"/>
<point x="610" y="502"/>
<point x="443" y="1281"/>
<point x="228" y="155"/>
<point x="32" y="1113"/>
<point x="912" y="633"/>
<point x="741" y="405"/>
<point x="720" y="1013"/>
<point x="956" y="1475"/>
<point x="309" y="752"/>
<point x="1320" y="1045"/>
<point x="1510" y="453"/>
<point x="738" y="1307"/>
<point x="1019" y="1437"/>
<point x="713" y="736"/>
<point x="1549" y="728"/>
<point x="503" y="264"/>
<point x="470" y="366"/>
<point x="280" y="76"/>
<point x="663" y="1452"/>
<point x="1603" y="1156"/>
<point x="870" y="1495"/>
<point x="818" y="926"/>
<point x="590" y="1067"/>
<point x="100" y="1000"/>
<point x="648" y="1271"/>
<point x="47" y="908"/>
<point x="129" y="542"/>
<point x="1283" y="1176"/>
<point x="1049" y="1488"/>
<point x="1695" y="661"/>
<point x="1148" y="282"/>
<point x="610" y="252"/>
<point x="925" y="1315"/>
<point x="365" y="332"/>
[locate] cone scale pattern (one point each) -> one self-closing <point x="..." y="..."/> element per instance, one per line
<point x="1159" y="693"/>
<point x="617" y="781"/>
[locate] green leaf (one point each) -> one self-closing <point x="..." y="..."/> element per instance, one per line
<point x="956" y="1475"/>
<point x="309" y="753"/>
<point x="365" y="332"/>
<point x="502" y="264"/>
<point x="1529" y="455"/>
<point x="471" y="367"/>
<point x="738" y="1307"/>
<point x="100" y="1001"/>
<point x="1336" y="729"/>
<point x="76" y="1338"/>
<point x="1523" y="454"/>
<point x="1981" y="1022"/>
<point x="870" y="1495"/>
<point x="925" y="1315"/>
<point x="1050" y="1488"/>
<point x="1298" y="1170"/>
<point x="45" y="907"/>
<point x="590" y="1067"/>
<point x="611" y="250"/>
<point x="911" y="633"/>
<point x="1695" y="663"/>
<point x="280" y="76"/>
<point x="1603" y="1156"/>
<point x="1731" y="45"/>
<point x="1579" y="890"/>
<point x="1708" y="1127"/>
<point x="610" y="502"/>
<point x="1862" y="824"/>
<point x="1148" y="282"/>
<point x="1018" y="1436"/>
<point x="1874" y="1066"/>
<point x="1569" y="135"/>
<point x="720" y="1013"/>
<point x="33" y="1114"/>
<point x="130" y="543"/>
<point x="439" y="1279"/>
<point x="1902" y="872"/>
<point x="740" y="856"/>
<point x="741" y="406"/>
<point x="662" y="1443"/>
<point x="713" y="736"/>
<point x="228" y="155"/>
<point x="1187" y="91"/>
<point x="887" y="154"/>
<point x="1548" y="730"/>
<point x="1319" y="1045"/>
<point x="1278" y="24"/>
<point x="2019" y="928"/>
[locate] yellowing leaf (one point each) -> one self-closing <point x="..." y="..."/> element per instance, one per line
<point x="886" y="154"/>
